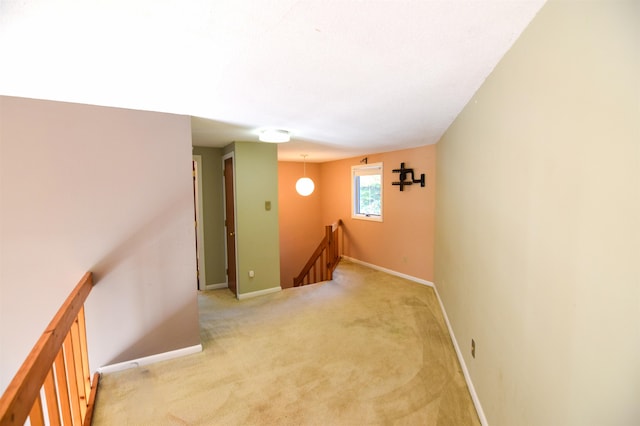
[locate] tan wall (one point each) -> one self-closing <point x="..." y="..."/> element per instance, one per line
<point x="301" y="226"/>
<point x="403" y="242"/>
<point x="102" y="189"/>
<point x="538" y="229"/>
<point x="258" y="247"/>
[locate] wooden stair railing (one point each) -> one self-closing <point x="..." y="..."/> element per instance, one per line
<point x="324" y="259"/>
<point x="57" y="365"/>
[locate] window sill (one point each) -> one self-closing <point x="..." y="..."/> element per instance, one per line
<point x="371" y="218"/>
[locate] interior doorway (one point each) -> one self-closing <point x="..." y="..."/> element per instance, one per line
<point x="198" y="222"/>
<point x="229" y="221"/>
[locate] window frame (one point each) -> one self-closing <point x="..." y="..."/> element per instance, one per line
<point x="364" y="170"/>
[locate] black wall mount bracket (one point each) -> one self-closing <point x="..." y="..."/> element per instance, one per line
<point x="403" y="181"/>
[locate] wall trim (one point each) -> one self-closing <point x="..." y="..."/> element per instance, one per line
<point x="215" y="286"/>
<point x="151" y="359"/>
<point x="389" y="271"/>
<point x="463" y="365"/>
<point x="199" y="202"/>
<point x="242" y="296"/>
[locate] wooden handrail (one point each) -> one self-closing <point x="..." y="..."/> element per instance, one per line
<point x="58" y="361"/>
<point x="326" y="255"/>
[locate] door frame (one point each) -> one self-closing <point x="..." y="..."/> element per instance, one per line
<point x="202" y="281"/>
<point x="235" y="220"/>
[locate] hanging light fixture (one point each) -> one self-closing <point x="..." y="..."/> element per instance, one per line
<point x="304" y="185"/>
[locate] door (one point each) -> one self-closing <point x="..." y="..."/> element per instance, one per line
<point x="230" y="224"/>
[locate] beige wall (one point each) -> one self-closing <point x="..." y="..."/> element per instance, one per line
<point x="538" y="229"/>
<point x="300" y="218"/>
<point x="102" y="189"/>
<point x="258" y="247"/>
<point x="403" y="242"/>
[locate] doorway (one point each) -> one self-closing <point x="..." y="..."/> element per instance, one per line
<point x="196" y="161"/>
<point x="229" y="221"/>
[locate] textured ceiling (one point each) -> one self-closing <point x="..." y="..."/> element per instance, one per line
<point x="345" y="77"/>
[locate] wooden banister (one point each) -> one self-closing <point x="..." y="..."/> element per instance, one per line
<point x="324" y="259"/>
<point x="58" y="363"/>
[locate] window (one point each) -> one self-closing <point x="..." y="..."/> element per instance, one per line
<point x="366" y="192"/>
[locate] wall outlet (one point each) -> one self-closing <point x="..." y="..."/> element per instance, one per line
<point x="473" y="348"/>
<point x="252" y="274"/>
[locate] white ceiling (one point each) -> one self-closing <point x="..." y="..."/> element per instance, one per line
<point x="346" y="77"/>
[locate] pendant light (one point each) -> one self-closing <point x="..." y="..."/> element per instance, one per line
<point x="304" y="185"/>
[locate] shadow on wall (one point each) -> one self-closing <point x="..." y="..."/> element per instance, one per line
<point x="145" y="302"/>
<point x="346" y="243"/>
<point x="141" y="238"/>
<point x="154" y="342"/>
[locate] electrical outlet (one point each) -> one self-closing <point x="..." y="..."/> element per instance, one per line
<point x="473" y="348"/>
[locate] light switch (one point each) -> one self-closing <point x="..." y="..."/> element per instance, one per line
<point x="267" y="205"/>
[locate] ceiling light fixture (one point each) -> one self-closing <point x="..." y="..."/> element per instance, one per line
<point x="275" y="136"/>
<point x="304" y="185"/>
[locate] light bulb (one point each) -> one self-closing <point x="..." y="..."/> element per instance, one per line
<point x="304" y="186"/>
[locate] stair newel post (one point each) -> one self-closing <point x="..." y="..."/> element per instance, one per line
<point x="325" y="257"/>
<point x="329" y="236"/>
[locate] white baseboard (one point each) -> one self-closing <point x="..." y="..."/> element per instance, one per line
<point x="150" y="359"/>
<point x="389" y="271"/>
<point x="465" y="371"/>
<point x="251" y="294"/>
<point x="215" y="286"/>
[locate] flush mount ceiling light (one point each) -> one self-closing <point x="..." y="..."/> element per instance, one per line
<point x="275" y="136"/>
<point x="304" y="185"/>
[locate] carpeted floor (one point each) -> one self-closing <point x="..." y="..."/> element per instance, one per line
<point x="367" y="348"/>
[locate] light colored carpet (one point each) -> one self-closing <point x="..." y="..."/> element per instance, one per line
<point x="365" y="348"/>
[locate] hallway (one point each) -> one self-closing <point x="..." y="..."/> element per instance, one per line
<point x="365" y="348"/>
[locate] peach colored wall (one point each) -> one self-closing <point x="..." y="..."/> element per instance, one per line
<point x="300" y="219"/>
<point x="404" y="241"/>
